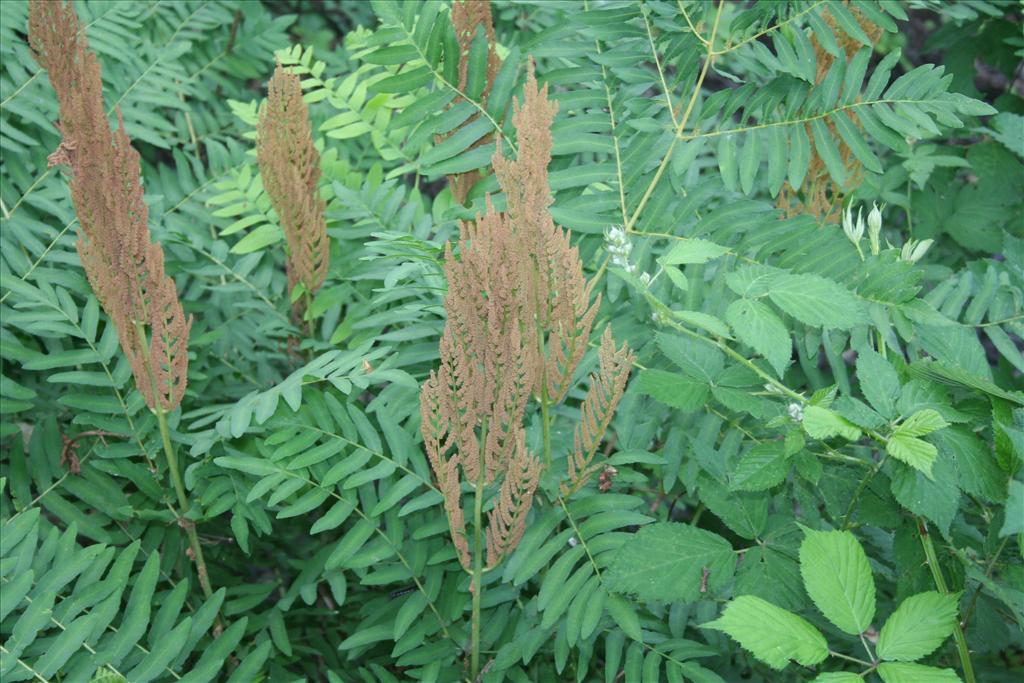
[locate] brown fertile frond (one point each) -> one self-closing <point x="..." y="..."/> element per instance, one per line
<point x="485" y="361"/>
<point x="290" y="168"/>
<point x="559" y="293"/>
<point x="822" y="195"/>
<point x="435" y="426"/>
<point x="169" y="331"/>
<point x="606" y="388"/>
<point x="467" y="17"/>
<point x="125" y="270"/>
<point x="60" y="47"/>
<point x="507" y="521"/>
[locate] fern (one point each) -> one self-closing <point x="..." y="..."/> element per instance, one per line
<point x="805" y="232"/>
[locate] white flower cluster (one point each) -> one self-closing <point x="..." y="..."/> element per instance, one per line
<point x="619" y="247"/>
<point x="796" y="411"/>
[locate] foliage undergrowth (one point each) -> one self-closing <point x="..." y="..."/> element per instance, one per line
<point x="809" y="235"/>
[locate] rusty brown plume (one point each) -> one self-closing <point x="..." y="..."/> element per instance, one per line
<point x="290" y="168"/>
<point x="519" y="321"/>
<point x="125" y="269"/>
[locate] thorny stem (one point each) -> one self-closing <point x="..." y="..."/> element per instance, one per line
<point x="940" y="583"/>
<point x="478" y="555"/>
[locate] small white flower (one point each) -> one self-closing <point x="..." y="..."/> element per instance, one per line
<point x="796" y="411"/>
<point x="645" y="279"/>
<point x="573" y="542"/>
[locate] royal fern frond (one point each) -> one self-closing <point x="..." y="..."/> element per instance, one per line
<point x="125" y="270"/>
<point x="606" y="388"/>
<point x="290" y="166"/>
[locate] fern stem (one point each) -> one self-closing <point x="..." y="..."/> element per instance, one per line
<point x="478" y="556"/>
<point x="545" y="420"/>
<point x="940" y="584"/>
<point x="172" y="466"/>
<point x="183" y="505"/>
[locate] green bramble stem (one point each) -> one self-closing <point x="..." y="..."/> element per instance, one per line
<point x="940" y="583"/>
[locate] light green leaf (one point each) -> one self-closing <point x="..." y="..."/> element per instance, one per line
<point x="693" y="251"/>
<point x="921" y="423"/>
<point x="878" y="381"/>
<point x="665" y="562"/>
<point x="838" y="677"/>
<point x="838" y="578"/>
<point x="817" y="301"/>
<point x="770" y="633"/>
<point x="257" y="239"/>
<point x="822" y="423"/>
<point x="918" y="626"/>
<point x="892" y="672"/>
<point x="917" y="453"/>
<point x="759" y="328"/>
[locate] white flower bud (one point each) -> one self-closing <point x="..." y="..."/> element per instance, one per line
<point x="796" y="411"/>
<point x="875" y="228"/>
<point x="854" y="231"/>
<point x="913" y="250"/>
